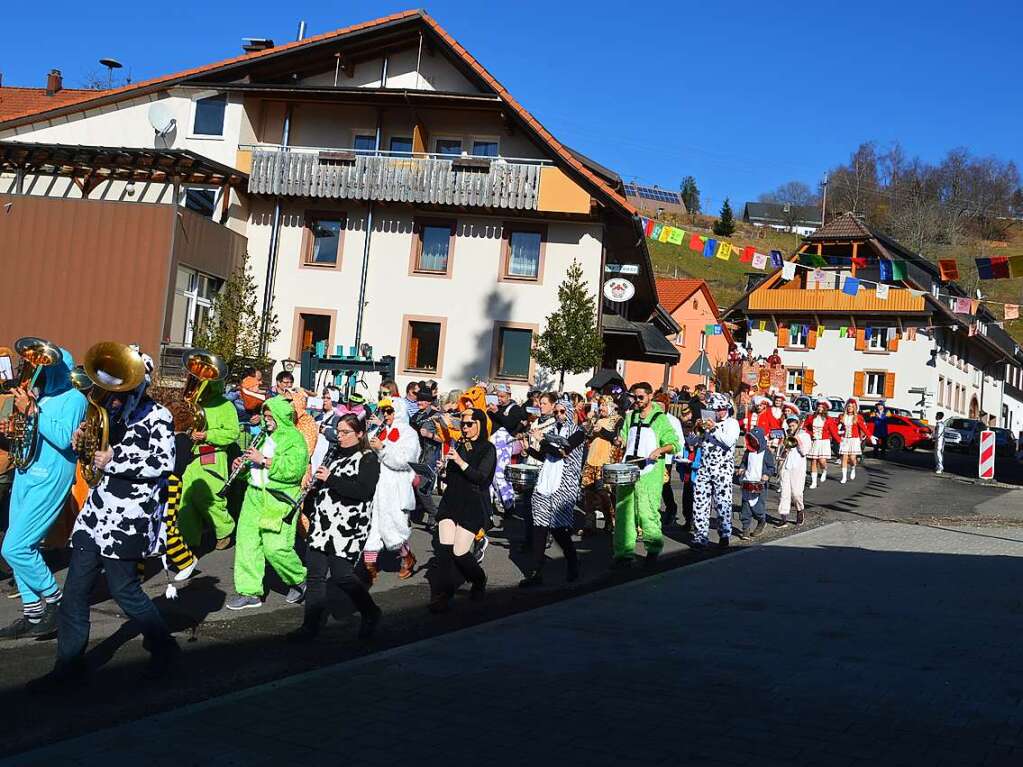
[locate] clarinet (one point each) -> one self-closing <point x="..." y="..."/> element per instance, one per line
<point x="314" y="484"/>
<point x="257" y="443"/>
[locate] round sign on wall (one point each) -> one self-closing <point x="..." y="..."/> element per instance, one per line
<point x="619" y="290"/>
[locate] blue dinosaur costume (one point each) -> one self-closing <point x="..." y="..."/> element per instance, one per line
<point x="39" y="491"/>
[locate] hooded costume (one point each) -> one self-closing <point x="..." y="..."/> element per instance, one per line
<point x="265" y="534"/>
<point x="208" y="471"/>
<point x="754" y="466"/>
<point x="713" y="484"/>
<point x="792" y="474"/>
<point x="394" y="497"/>
<point x="639" y="505"/>
<point x="38" y="492"/>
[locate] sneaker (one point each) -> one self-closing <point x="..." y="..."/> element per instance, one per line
<point x="47" y="625"/>
<point x="480" y="549"/>
<point x="533" y="579"/>
<point x="369" y="623"/>
<point x="742" y="534"/>
<point x="723" y="542"/>
<point x="296" y="594"/>
<point x="699" y="543"/>
<point x="22" y="627"/>
<point x="243" y="602"/>
<point x="938" y="471"/>
<point x="57" y="680"/>
<point x="799" y="517"/>
<point x="223" y="543"/>
<point x="186" y="572"/>
<point x="760" y="527"/>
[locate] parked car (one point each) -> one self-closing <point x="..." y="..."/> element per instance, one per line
<point x="805" y="405"/>
<point x="904" y="433"/>
<point x="963" y="434"/>
<point x="1005" y="442"/>
<point x="868" y="409"/>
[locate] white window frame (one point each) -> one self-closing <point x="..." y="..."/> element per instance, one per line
<point x="794" y="375"/>
<point x="877" y="375"/>
<point x="797" y="339"/>
<point x="878" y="340"/>
<point x="444" y="137"/>
<point x="217" y="191"/>
<point x="194" y="299"/>
<point x="197" y="97"/>
<point x="474" y="139"/>
<point x="680" y="336"/>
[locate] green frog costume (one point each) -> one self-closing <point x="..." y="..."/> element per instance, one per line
<point x="263" y="534"/>
<point x="206" y="474"/>
<point x="640" y="504"/>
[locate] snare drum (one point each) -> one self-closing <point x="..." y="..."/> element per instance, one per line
<point x="616" y="474"/>
<point x="753" y="487"/>
<point x="522" y="476"/>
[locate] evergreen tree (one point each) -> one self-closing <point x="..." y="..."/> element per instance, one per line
<point x="235" y="324"/>
<point x="690" y="194"/>
<point x="725" y="225"/>
<point x="570" y="342"/>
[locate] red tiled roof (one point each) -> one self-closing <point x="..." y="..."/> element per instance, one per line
<point x="15" y="101"/>
<point x="845" y="227"/>
<point x="128" y="91"/>
<point x="671" y="293"/>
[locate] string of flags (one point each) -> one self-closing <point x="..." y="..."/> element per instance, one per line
<point x="869" y="331"/>
<point x="998" y="267"/>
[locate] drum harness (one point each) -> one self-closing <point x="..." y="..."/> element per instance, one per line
<point x="633" y="454"/>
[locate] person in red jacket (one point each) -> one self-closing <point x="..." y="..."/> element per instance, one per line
<point x="822" y="429"/>
<point x="853" y="430"/>
<point x="760" y="415"/>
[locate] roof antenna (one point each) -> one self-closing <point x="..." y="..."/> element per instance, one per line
<point x="111" y="65"/>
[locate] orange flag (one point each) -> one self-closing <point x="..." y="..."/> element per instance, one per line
<point x="949" y="269"/>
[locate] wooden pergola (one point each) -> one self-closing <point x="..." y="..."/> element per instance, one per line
<point x="90" y="166"/>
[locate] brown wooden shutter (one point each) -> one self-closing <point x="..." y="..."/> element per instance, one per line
<point x="861" y="339"/>
<point x="889" y="385"/>
<point x="859" y="378"/>
<point x="783" y="337"/>
<point x="893" y="342"/>
<point x="808" y="382"/>
<point x="811" y="339"/>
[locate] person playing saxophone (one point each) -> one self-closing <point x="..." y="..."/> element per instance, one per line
<point x="205" y="476"/>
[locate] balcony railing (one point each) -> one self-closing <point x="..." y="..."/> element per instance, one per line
<point x="395" y="177"/>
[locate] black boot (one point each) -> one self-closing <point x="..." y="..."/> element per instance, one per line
<point x="65" y="673"/>
<point x="370" y="621"/>
<point x="444" y="582"/>
<point x="533" y="578"/>
<point x="564" y="539"/>
<point x="473" y="573"/>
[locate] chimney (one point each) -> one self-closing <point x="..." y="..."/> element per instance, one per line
<point x="255" y="44"/>
<point x="54" y="82"/>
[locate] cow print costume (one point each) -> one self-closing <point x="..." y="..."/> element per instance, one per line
<point x="123" y="516"/>
<point x="713" y="483"/>
<point x="339" y="524"/>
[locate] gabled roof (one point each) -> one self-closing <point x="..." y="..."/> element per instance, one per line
<point x="14" y="101"/>
<point x="672" y="293"/>
<point x="575" y="166"/>
<point x="775" y="213"/>
<point x="848" y="226"/>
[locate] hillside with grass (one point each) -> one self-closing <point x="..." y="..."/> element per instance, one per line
<point x="727" y="279"/>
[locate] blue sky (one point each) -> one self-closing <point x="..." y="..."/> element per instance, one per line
<point x="742" y="95"/>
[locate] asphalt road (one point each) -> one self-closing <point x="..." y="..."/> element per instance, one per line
<point x="226" y="652"/>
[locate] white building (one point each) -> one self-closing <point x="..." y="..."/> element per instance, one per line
<point x="397" y="196"/>
<point x="909" y="349"/>
<point x="799" y="219"/>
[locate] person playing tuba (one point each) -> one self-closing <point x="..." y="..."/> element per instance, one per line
<point x="40" y="487"/>
<point x="215" y="430"/>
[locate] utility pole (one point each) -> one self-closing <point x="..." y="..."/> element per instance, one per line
<point x="824" y="199"/>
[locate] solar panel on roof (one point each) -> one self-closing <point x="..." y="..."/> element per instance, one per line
<point x="652" y="193"/>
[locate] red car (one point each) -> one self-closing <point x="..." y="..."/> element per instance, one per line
<point x="904" y="433"/>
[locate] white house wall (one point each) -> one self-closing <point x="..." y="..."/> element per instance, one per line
<point x="436" y="73"/>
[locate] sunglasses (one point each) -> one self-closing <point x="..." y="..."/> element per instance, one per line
<point x="561" y="411"/>
<point x="468" y="424"/>
<point x="387" y="410"/>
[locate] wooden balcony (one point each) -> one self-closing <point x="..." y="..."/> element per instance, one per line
<point x="427" y="179"/>
<point x="783" y="300"/>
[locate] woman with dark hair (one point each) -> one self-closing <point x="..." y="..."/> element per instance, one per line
<point x="463" y="509"/>
<point x="338" y="529"/>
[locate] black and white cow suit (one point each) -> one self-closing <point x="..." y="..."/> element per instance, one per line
<point x="712" y="486"/>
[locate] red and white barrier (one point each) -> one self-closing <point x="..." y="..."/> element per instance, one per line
<point x="986" y="464"/>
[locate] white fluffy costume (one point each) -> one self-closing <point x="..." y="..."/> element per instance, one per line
<point x="394" y="497"/>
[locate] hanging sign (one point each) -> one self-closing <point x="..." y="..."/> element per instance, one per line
<point x="619" y="290"/>
<point x="622" y="268"/>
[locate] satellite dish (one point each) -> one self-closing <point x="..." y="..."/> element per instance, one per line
<point x="161" y="118"/>
<point x="111" y="63"/>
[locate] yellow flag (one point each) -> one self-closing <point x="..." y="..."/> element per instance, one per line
<point x="724" y="251"/>
<point x="665" y="233"/>
<point x="1016" y="266"/>
<point x="676" y="235"/>
<point x="763" y="324"/>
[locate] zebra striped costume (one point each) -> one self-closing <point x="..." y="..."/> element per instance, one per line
<point x="558" y="510"/>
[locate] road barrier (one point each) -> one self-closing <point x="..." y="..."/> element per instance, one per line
<point x="986" y="462"/>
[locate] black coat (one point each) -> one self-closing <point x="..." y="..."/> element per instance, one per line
<point x="466" y="499"/>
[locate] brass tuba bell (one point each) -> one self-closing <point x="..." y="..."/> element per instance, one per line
<point x="202" y="368"/>
<point x="36" y="354"/>
<point x="108" y="367"/>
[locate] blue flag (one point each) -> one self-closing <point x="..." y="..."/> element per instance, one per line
<point x="868" y="333"/>
<point x="984" y="270"/>
<point x="776" y="259"/>
<point x="709" y="247"/>
<point x="851" y="286"/>
<point x="886" y="269"/>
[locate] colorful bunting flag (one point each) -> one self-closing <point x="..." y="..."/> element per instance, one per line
<point x="763" y="324"/>
<point x="882" y="292"/>
<point x="655" y="233"/>
<point x="973" y="329"/>
<point x="820" y="330"/>
<point x="1000" y="267"/>
<point x="759" y="260"/>
<point x="898" y="270"/>
<point x="814" y="279"/>
<point x="747" y="254"/>
<point x="974" y="303"/>
<point x="665" y="233"/>
<point x="818" y="260"/>
<point x="949" y="269"/>
<point x="868" y="333"/>
<point x="984" y="268"/>
<point x="885" y="269"/>
<point x="1016" y="266"/>
<point x="843" y="331"/>
<point x="677" y="236"/>
<point x="648" y="226"/>
<point x="1012" y="311"/>
<point x="828" y="281"/>
<point x="696" y="243"/>
<point x="788" y="270"/>
<point x="709" y="247"/>
<point x="851" y="286"/>
<point x="962" y="306"/>
<point x="749" y="324"/>
<point x="776" y="258"/>
<point x="724" y="251"/>
<point x="910" y="333"/>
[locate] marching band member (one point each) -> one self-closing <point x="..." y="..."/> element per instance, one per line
<point x="38" y="493"/>
<point x="509" y="420"/>
<point x="792" y="477"/>
<point x="645" y="434"/>
<point x="713" y="484"/>
<point x="854" y="431"/>
<point x="120" y="524"/>
<point x="463" y="509"/>
<point x="265" y="533"/>
<point x="338" y="528"/>
<point x="206" y="474"/>
<point x="822" y="430"/>
<point x="557" y="488"/>
<point x="754" y="471"/>
<point x="396" y="445"/>
<point x="602" y="450"/>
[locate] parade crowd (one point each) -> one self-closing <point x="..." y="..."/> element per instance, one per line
<point x="318" y="485"/>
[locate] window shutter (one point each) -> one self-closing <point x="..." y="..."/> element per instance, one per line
<point x="861" y="339"/>
<point x="889" y="385"/>
<point x="893" y="342"/>
<point x="783" y="337"/>
<point x="808" y="382"/>
<point x="811" y="340"/>
<point x="859" y="378"/>
<point x="413" y="353"/>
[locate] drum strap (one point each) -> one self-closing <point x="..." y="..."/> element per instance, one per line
<point x="634" y="452"/>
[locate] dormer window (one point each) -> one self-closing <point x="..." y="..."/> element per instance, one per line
<point x="209" y="116"/>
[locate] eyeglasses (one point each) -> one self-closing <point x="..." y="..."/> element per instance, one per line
<point x="345" y="432"/>
<point x="561" y="411"/>
<point x="387" y="410"/>
<point x="468" y="424"/>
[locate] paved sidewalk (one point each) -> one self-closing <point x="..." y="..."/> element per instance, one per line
<point x="856" y="643"/>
